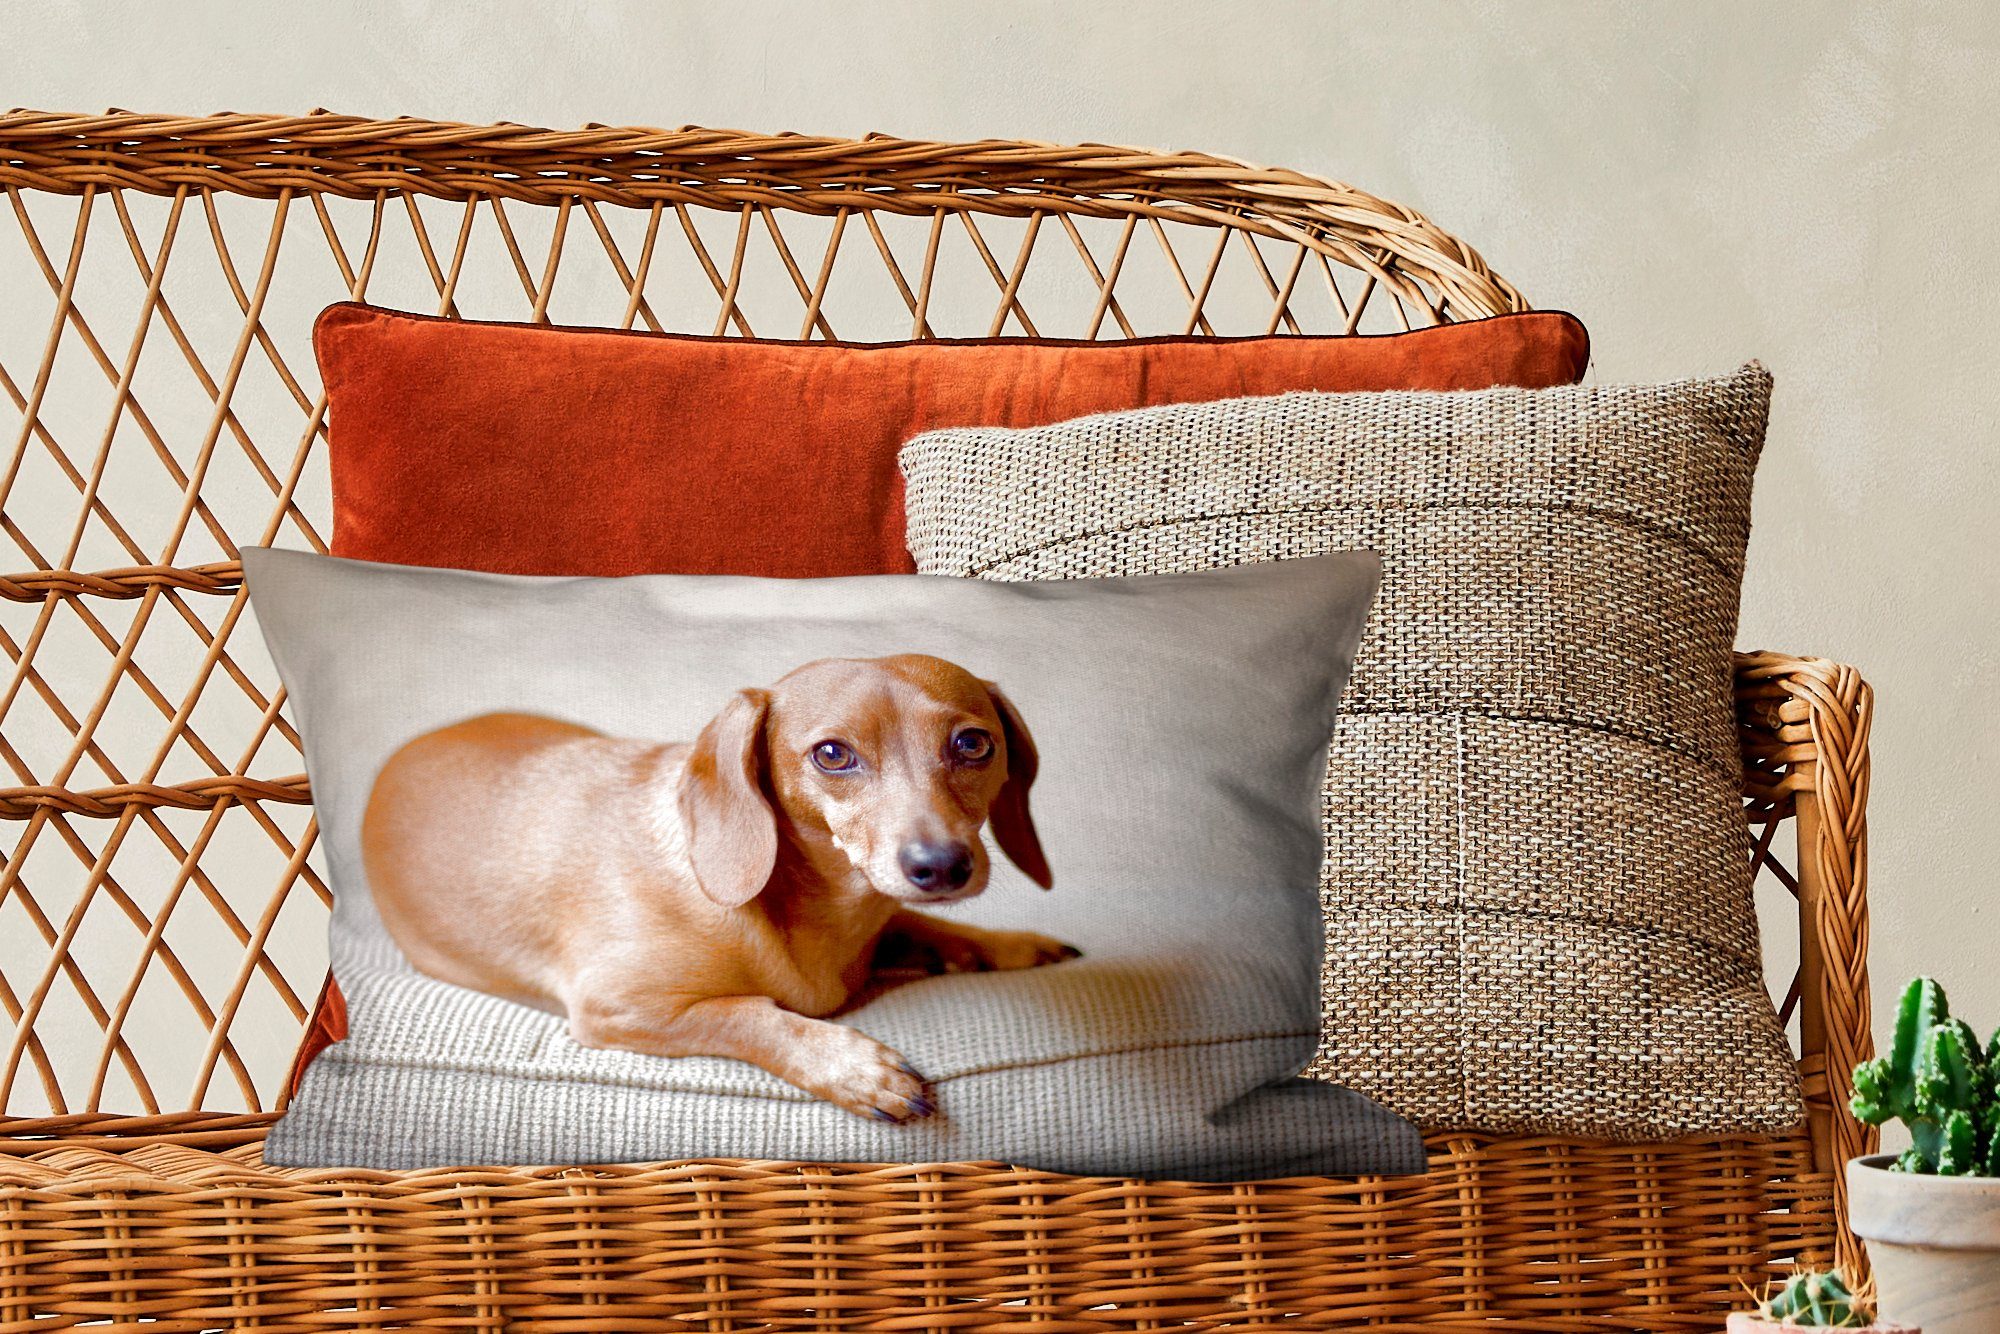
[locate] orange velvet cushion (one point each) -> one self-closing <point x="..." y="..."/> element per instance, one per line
<point x="530" y="449"/>
<point x="533" y="449"/>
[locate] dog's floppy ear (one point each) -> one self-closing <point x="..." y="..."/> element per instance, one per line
<point x="732" y="835"/>
<point x="1013" y="826"/>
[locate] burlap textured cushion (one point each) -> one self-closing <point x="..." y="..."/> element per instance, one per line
<point x="1536" y="893"/>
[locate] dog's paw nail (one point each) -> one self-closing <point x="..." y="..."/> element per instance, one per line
<point x="908" y="1069"/>
<point x="921" y="1107"/>
<point x="1069" y="952"/>
<point x="880" y="1115"/>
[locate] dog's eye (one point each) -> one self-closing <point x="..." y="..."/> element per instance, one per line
<point x="972" y="746"/>
<point x="834" y="757"/>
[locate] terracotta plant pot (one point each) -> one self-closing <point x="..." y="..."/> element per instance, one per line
<point x="1746" y="1322"/>
<point x="1934" y="1243"/>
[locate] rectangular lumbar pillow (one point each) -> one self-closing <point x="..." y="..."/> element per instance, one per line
<point x="1537" y="901"/>
<point x="885" y="868"/>
<point x="533" y="449"/>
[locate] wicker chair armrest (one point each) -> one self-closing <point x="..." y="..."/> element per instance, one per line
<point x="1803" y="724"/>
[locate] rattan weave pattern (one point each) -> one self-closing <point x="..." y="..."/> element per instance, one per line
<point x="276" y="157"/>
<point x="161" y="921"/>
<point x="1567" y="1236"/>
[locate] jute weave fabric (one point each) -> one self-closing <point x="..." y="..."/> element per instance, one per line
<point x="1536" y="890"/>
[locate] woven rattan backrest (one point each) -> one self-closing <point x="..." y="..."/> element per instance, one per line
<point x="162" y="912"/>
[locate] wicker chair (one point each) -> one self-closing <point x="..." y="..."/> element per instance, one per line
<point x="162" y="920"/>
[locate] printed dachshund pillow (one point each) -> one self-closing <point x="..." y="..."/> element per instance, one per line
<point x="887" y="868"/>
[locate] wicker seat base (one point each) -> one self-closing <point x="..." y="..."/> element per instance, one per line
<point x="193" y="1231"/>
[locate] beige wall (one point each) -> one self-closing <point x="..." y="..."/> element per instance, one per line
<point x="1813" y="185"/>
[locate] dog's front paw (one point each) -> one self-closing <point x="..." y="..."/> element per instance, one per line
<point x="869" y="1079"/>
<point x="1025" y="949"/>
<point x="998" y="951"/>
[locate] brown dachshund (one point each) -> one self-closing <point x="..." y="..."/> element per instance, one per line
<point x="717" y="898"/>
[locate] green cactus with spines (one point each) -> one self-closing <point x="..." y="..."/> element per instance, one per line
<point x="1951" y="1075"/>
<point x="1817" y="1301"/>
<point x="1958" y="1146"/>
<point x="1941" y="1082"/>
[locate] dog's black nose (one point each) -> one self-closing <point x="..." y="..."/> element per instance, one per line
<point x="936" y="867"/>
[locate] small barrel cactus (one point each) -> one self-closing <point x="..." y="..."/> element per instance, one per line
<point x="1817" y="1301"/>
<point x="1940" y="1082"/>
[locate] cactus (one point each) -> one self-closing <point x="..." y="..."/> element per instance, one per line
<point x="1817" y="1301"/>
<point x="1941" y="1082"/>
